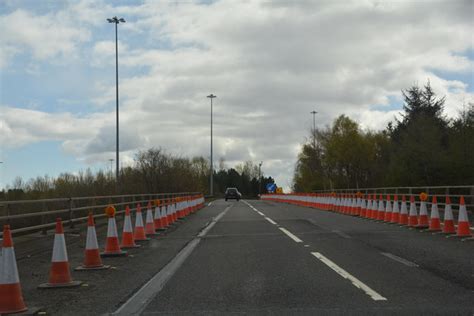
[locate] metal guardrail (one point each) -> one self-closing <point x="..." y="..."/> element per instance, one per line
<point x="39" y="215"/>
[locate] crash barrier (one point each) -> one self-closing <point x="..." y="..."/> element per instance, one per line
<point x="160" y="215"/>
<point x="415" y="210"/>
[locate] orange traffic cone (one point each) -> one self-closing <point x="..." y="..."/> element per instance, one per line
<point x="381" y="210"/>
<point x="375" y="208"/>
<point x="368" y="208"/>
<point x="59" y="275"/>
<point x="139" y="231"/>
<point x="164" y="215"/>
<point x="150" y="223"/>
<point x="395" y="210"/>
<point x="112" y="247"/>
<point x="435" y="224"/>
<point x="11" y="298"/>
<point x="448" y="223"/>
<point x="127" y="235"/>
<point x="463" y="222"/>
<point x="363" y="207"/>
<point x="388" y="210"/>
<point x="157" y="216"/>
<point x="423" y="221"/>
<point x="413" y="216"/>
<point x="403" y="212"/>
<point x="92" y="260"/>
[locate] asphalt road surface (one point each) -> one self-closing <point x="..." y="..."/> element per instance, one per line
<point x="260" y="257"/>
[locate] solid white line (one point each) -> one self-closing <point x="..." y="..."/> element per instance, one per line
<point x="296" y="239"/>
<point x="346" y="275"/>
<point x="270" y="220"/>
<point x="142" y="298"/>
<point x="399" y="259"/>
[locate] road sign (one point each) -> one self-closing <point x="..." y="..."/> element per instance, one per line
<point x="271" y="187"/>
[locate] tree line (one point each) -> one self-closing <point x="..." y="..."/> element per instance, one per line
<point x="153" y="171"/>
<point x="421" y="148"/>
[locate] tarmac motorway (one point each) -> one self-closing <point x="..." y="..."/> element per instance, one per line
<point x="263" y="258"/>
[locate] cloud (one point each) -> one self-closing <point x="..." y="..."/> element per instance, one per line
<point x="269" y="63"/>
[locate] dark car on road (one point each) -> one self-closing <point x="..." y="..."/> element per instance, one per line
<point x="232" y="193"/>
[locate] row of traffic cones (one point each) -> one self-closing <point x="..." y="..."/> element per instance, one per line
<point x="11" y="298"/>
<point x="395" y="212"/>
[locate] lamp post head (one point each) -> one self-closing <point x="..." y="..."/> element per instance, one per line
<point x="313" y="112"/>
<point x="116" y="20"/>
<point x="211" y="96"/>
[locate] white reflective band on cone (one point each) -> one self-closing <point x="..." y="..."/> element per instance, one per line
<point x="157" y="212"/>
<point x="112" y="229"/>
<point x="127" y="226"/>
<point x="139" y="220"/>
<point x="8" y="269"/>
<point x="448" y="212"/>
<point x="91" y="241"/>
<point x="462" y="214"/>
<point x="59" y="249"/>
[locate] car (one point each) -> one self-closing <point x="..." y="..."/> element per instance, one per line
<point x="232" y="193"/>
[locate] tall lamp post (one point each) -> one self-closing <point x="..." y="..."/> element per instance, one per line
<point x="211" y="180"/>
<point x="260" y="177"/>
<point x="116" y="21"/>
<point x="314" y="128"/>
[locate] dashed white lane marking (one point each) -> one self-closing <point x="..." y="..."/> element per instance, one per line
<point x="260" y="213"/>
<point x="289" y="234"/>
<point x="342" y="234"/>
<point x="210" y="203"/>
<point x="346" y="275"/>
<point x="399" y="259"/>
<point x="270" y="220"/>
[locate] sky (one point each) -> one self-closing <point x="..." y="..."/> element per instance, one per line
<point x="270" y="63"/>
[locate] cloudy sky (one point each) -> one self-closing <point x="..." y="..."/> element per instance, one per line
<point x="269" y="62"/>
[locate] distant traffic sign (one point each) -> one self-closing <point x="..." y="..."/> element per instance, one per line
<point x="271" y="187"/>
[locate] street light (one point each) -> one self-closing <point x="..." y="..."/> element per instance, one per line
<point x="211" y="180"/>
<point x="260" y="177"/>
<point x="116" y="21"/>
<point x="314" y="128"/>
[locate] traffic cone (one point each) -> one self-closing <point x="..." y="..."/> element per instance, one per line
<point x="435" y="224"/>
<point x="403" y="212"/>
<point x="368" y="208"/>
<point x="388" y="210"/>
<point x="375" y="208"/>
<point x="149" y="223"/>
<point x="11" y="297"/>
<point x="112" y="247"/>
<point x="395" y="211"/>
<point x="157" y="216"/>
<point x="363" y="207"/>
<point x="163" y="217"/>
<point x="448" y="223"/>
<point x="423" y="221"/>
<point x="463" y="222"/>
<point x="413" y="215"/>
<point x="128" y="241"/>
<point x="139" y="231"/>
<point x="92" y="260"/>
<point x="59" y="275"/>
<point x="381" y="210"/>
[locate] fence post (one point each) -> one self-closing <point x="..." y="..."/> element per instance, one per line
<point x="71" y="205"/>
<point x="44" y="208"/>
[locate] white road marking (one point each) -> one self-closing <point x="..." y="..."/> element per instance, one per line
<point x="289" y="234"/>
<point x="210" y="203"/>
<point x="260" y="213"/>
<point x="346" y="275"/>
<point x="270" y="220"/>
<point x="142" y="298"/>
<point x="342" y="234"/>
<point x="399" y="259"/>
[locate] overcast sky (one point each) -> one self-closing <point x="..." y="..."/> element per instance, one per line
<point x="269" y="62"/>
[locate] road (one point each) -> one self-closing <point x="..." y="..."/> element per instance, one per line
<point x="260" y="257"/>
